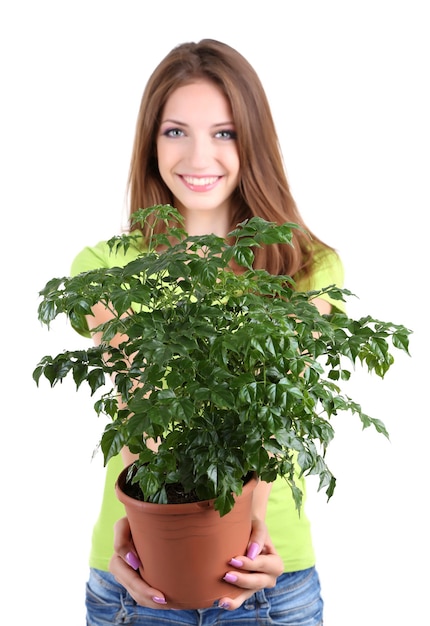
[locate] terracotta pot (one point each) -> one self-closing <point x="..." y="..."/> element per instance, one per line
<point x="185" y="548"/>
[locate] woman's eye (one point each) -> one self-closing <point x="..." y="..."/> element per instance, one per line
<point x="226" y="134"/>
<point x="173" y="132"/>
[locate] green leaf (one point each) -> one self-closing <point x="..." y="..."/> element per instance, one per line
<point x="222" y="397"/>
<point x="244" y="257"/>
<point x="112" y="442"/>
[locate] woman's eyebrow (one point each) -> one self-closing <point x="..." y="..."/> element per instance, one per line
<point x="217" y="125"/>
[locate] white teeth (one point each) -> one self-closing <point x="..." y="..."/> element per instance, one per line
<point x="196" y="182"/>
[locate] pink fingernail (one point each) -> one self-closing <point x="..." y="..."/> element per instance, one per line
<point x="132" y="560"/>
<point x="159" y="600"/>
<point x="253" y="550"/>
<point x="230" y="578"/>
<point x="236" y="563"/>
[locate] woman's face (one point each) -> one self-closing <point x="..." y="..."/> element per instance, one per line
<point x="197" y="150"/>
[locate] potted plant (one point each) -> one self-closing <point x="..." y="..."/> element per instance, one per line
<point x="235" y="373"/>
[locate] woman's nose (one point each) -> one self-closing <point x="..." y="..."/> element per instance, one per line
<point x="200" y="152"/>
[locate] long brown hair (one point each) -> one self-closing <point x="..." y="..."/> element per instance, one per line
<point x="263" y="188"/>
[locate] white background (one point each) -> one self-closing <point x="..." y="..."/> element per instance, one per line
<point x="348" y="83"/>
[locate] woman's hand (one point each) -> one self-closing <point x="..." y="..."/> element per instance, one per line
<point x="257" y="570"/>
<point x="124" y="566"/>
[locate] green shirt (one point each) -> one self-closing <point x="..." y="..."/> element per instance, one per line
<point x="289" y="531"/>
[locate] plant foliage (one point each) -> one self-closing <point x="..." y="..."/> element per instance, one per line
<point x="233" y="372"/>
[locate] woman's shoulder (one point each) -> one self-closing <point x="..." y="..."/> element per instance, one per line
<point x="103" y="255"/>
<point x="327" y="260"/>
<point x="327" y="269"/>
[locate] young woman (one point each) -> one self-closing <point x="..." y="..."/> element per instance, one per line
<point x="206" y="143"/>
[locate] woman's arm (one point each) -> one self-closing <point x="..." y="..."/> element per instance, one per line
<point x="262" y="565"/>
<point x="124" y="566"/>
<point x="124" y="561"/>
<point x="102" y="314"/>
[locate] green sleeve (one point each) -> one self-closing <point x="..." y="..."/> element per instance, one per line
<point x="97" y="257"/>
<point x="328" y="270"/>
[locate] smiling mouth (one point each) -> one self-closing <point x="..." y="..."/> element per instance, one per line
<point x="200" y="181"/>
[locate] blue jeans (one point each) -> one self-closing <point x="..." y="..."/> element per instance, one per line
<point x="294" y="601"/>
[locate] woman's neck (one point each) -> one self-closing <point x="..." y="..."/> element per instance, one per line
<point x="207" y="222"/>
